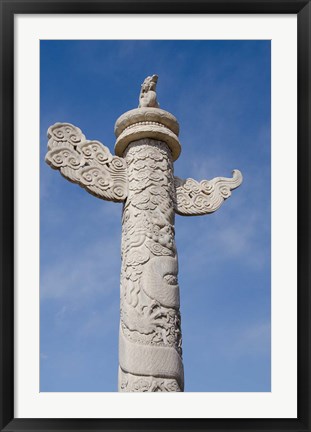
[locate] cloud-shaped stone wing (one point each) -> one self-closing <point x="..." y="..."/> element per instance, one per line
<point x="86" y="163"/>
<point x="199" y="198"/>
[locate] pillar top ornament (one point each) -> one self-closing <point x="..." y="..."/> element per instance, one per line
<point x="148" y="95"/>
<point x="147" y="121"/>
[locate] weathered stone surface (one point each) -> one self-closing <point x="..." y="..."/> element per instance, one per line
<point x="148" y="96"/>
<point x="199" y="198"/>
<point x="87" y="163"/>
<point x="143" y="123"/>
<point x="150" y="334"/>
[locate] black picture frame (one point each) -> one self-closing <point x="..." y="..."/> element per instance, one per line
<point x="8" y="8"/>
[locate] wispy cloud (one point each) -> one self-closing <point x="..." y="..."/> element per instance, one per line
<point x="253" y="340"/>
<point x="94" y="270"/>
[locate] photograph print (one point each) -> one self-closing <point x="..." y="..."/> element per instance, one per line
<point x="155" y="224"/>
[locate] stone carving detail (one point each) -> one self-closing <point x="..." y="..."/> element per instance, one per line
<point x="148" y="96"/>
<point x="152" y="130"/>
<point x="144" y="115"/>
<point x="87" y="163"/>
<point x="132" y="383"/>
<point x="194" y="198"/>
<point x="150" y="352"/>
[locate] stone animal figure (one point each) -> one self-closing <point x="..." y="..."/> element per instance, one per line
<point x="148" y="96"/>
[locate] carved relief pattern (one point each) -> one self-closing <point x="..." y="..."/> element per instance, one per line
<point x="152" y="130"/>
<point x="87" y="163"/>
<point x="132" y="383"/>
<point x="150" y="335"/>
<point x="146" y="116"/>
<point x="198" y="198"/>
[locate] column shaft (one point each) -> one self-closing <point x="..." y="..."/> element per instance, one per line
<point x="150" y="354"/>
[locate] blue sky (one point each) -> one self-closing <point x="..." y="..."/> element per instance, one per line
<point x="220" y="93"/>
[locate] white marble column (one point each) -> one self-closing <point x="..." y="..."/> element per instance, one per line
<point x="141" y="176"/>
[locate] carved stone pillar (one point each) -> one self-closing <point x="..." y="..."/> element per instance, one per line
<point x="150" y="335"/>
<point x="150" y="353"/>
<point x="141" y="176"/>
